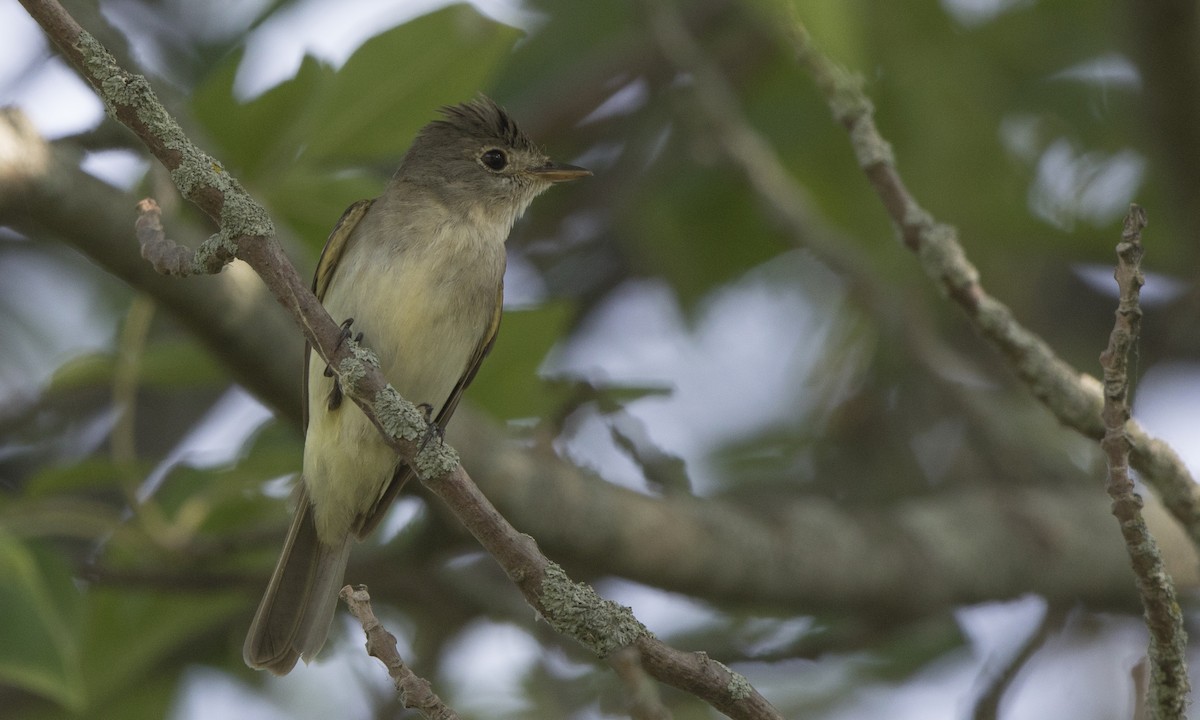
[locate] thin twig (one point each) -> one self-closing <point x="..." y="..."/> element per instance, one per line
<point x="1168" y="693"/>
<point x="415" y="691"/>
<point x="1075" y="398"/>
<point x="245" y="232"/>
<point x="574" y="609"/>
<point x="987" y="707"/>
<point x="165" y="256"/>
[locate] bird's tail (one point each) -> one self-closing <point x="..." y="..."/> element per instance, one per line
<point x="294" y="616"/>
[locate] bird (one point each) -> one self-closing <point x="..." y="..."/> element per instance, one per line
<point x="419" y="271"/>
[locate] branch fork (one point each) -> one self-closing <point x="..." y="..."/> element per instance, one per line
<point x="245" y="232"/>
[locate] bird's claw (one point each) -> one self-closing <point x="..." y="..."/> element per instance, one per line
<point x="432" y="429"/>
<point x="343" y="336"/>
<point x="335" y="393"/>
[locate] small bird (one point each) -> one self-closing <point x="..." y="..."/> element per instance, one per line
<point x="420" y="272"/>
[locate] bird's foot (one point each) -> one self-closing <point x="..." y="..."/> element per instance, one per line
<point x="432" y="429"/>
<point x="343" y="336"/>
<point x="335" y="393"/>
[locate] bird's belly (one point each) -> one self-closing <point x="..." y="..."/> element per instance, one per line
<point x="424" y="330"/>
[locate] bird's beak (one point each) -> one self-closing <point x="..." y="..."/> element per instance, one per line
<point x="559" y="172"/>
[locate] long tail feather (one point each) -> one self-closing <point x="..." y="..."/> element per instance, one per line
<point x="294" y="616"/>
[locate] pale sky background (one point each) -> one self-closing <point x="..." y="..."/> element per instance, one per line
<point x="637" y="335"/>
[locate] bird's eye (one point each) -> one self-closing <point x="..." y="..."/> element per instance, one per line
<point x="494" y="159"/>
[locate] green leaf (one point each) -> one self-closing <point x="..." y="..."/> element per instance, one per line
<point x="134" y="637"/>
<point x="257" y="137"/>
<point x="168" y="363"/>
<point x="508" y="385"/>
<point x="150" y="700"/>
<point x="578" y="46"/>
<point x="310" y="201"/>
<point x="391" y="85"/>
<point x="720" y="236"/>
<point x="87" y="474"/>
<point x="40" y="624"/>
<point x="83" y="371"/>
<point x="289" y="144"/>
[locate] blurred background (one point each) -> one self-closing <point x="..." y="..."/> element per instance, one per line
<point x="771" y="437"/>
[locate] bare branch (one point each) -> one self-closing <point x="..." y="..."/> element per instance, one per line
<point x="246" y="232"/>
<point x="987" y="707"/>
<point x="415" y="691"/>
<point x="165" y="256"/>
<point x="1169" y="687"/>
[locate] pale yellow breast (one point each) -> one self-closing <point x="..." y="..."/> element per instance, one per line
<point x="423" y="306"/>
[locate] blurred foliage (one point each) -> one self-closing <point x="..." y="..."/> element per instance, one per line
<point x="108" y="598"/>
<point x="41" y="651"/>
<point x="324" y="123"/>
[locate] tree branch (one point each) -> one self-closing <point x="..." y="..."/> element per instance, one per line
<point x="415" y="691"/>
<point x="43" y="193"/>
<point x="961" y="543"/>
<point x="987" y="706"/>
<point x="1169" y="688"/>
<point x="246" y="232"/>
<point x="1075" y="398"/>
<point x="553" y="499"/>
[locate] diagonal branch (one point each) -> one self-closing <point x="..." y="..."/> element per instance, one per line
<point x="552" y="499"/>
<point x="415" y="691"/>
<point x="1168" y="695"/>
<point x="1075" y="398"/>
<point x="245" y="232"/>
<point x="987" y="706"/>
<point x="44" y="194"/>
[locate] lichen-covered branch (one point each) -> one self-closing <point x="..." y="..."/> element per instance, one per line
<point x="1074" y="397"/>
<point x="575" y="609"/>
<point x="44" y="194"/>
<point x="246" y="232"/>
<point x="1169" y="688"/>
<point x="129" y="98"/>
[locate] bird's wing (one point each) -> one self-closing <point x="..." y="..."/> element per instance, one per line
<point x="485" y="347"/>
<point x="371" y="518"/>
<point x="331" y="255"/>
<point x="335" y="246"/>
